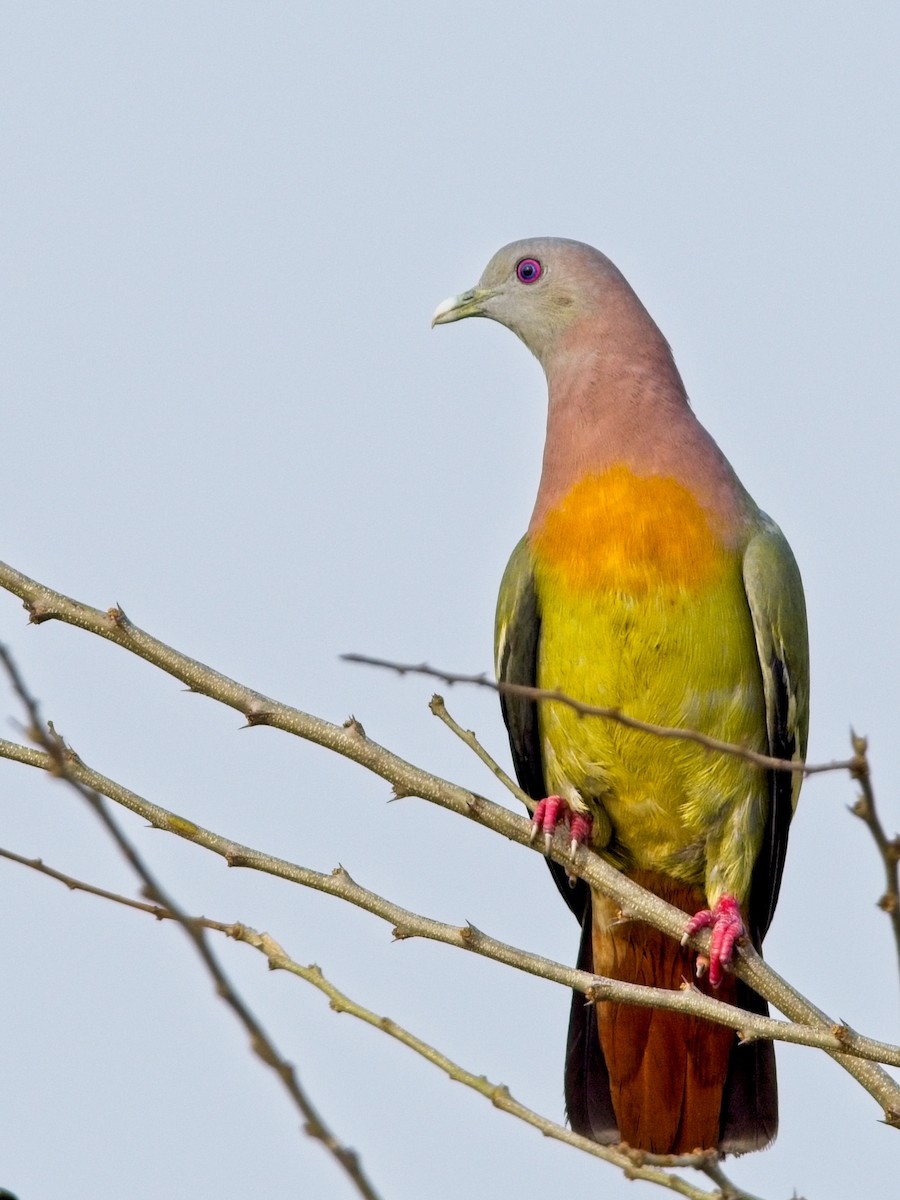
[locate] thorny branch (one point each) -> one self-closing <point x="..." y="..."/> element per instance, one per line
<point x="888" y="848"/>
<point x="261" y="1043"/>
<point x="44" y="604"/>
<point x="552" y="695"/>
<point x="350" y="740"/>
<point x="635" y="1164"/>
<point x="407" y="924"/>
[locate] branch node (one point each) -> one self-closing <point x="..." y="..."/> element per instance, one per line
<point x="257" y="715"/>
<point x="889" y="902"/>
<point x="354" y="728"/>
<point x="859" y="765"/>
<point x="861" y="808"/>
<point x="437" y="706"/>
<point x="118" y="618"/>
<point x="37" y="613"/>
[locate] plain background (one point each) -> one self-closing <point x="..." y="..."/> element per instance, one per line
<point x="225" y="228"/>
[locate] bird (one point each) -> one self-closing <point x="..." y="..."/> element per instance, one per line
<point x="647" y="581"/>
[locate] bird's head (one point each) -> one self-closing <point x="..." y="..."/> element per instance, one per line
<point x="541" y="288"/>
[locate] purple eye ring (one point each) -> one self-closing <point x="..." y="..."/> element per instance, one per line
<point x="528" y="270"/>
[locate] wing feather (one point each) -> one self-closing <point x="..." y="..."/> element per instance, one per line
<point x="775" y="595"/>
<point x="517" y="636"/>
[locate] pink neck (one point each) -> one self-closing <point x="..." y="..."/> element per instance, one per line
<point x="628" y="405"/>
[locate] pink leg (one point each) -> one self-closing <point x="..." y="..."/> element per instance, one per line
<point x="554" y="811"/>
<point x="726" y="924"/>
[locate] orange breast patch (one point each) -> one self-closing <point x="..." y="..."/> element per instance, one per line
<point x="622" y="532"/>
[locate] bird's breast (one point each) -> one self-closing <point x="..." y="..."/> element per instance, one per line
<point x="622" y="532"/>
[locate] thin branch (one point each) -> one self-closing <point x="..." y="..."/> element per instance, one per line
<point x="888" y="848"/>
<point x="727" y="1190"/>
<point x="351" y="741"/>
<point x="260" y="1042"/>
<point x="553" y="695"/>
<point x="467" y="736"/>
<point x="78" y="885"/>
<point x="407" y="924"/>
<point x="635" y="1164"/>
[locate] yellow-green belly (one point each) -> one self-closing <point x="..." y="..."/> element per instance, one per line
<point x="643" y="609"/>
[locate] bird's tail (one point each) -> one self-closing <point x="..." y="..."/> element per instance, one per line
<point x="662" y="1082"/>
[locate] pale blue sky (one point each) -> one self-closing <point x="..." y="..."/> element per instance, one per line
<point x="226" y="227"/>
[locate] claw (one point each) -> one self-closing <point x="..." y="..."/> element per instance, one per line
<point x="579" y="830"/>
<point x="554" y="811"/>
<point x="727" y="925"/>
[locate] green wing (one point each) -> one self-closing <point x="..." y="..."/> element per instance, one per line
<point x="517" y="632"/>
<point x="775" y="595"/>
<point x="517" y="639"/>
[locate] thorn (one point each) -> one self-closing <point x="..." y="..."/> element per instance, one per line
<point x="256" y="716"/>
<point x="860" y="808"/>
<point x="859" y="743"/>
<point x="116" y="614"/>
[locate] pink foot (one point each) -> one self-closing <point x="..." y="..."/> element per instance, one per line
<point x="727" y="925"/>
<point x="555" y="811"/>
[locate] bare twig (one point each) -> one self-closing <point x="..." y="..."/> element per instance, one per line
<point x="552" y="695"/>
<point x="439" y="708"/>
<point x="727" y="1190"/>
<point x="888" y="848"/>
<point x="260" y="1042"/>
<point x="339" y="884"/>
<point x="407" y="780"/>
<point x="78" y="885"/>
<point x="635" y="1164"/>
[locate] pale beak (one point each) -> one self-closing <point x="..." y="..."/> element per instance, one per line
<point x="467" y="304"/>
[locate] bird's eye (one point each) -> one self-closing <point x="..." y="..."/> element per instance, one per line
<point x="528" y="270"/>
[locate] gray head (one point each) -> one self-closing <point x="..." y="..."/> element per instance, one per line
<point x="542" y="288"/>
